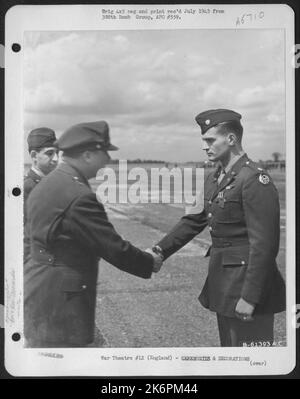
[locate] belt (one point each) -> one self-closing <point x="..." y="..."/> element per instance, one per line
<point x="218" y="242"/>
<point x="41" y="255"/>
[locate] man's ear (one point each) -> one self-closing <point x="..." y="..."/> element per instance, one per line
<point x="33" y="154"/>
<point x="232" y="139"/>
<point x="86" y="156"/>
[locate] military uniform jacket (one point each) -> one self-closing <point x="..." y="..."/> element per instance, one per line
<point x="30" y="181"/>
<point x="69" y="232"/>
<point x="243" y="215"/>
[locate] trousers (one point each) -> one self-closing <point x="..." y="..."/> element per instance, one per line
<point x="236" y="332"/>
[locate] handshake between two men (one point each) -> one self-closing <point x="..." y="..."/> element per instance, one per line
<point x="158" y="258"/>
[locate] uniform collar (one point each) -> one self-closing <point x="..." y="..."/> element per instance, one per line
<point x="73" y="171"/>
<point x="37" y="172"/>
<point x="237" y="166"/>
<point x="233" y="161"/>
<point x="231" y="174"/>
<point x="234" y="165"/>
<point x="33" y="175"/>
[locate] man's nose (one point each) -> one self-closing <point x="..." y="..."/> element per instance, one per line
<point x="205" y="146"/>
<point x="55" y="157"/>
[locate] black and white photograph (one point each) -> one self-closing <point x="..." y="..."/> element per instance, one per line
<point x="155" y="225"/>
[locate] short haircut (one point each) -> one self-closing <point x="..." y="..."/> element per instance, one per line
<point x="231" y="127"/>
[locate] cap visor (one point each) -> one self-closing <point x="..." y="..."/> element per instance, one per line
<point x="112" y="147"/>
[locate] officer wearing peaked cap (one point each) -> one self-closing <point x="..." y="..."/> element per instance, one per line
<point x="241" y="210"/>
<point x="70" y="232"/>
<point x="43" y="153"/>
<point x="87" y="135"/>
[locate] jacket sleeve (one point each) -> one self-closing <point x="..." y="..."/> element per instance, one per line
<point x="89" y="224"/>
<point x="28" y="186"/>
<point x="262" y="214"/>
<point x="184" y="231"/>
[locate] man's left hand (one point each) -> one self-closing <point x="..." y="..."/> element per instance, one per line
<point x="244" y="310"/>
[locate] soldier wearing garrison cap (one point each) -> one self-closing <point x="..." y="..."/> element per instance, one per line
<point x="241" y="209"/>
<point x="43" y="153"/>
<point x="70" y="233"/>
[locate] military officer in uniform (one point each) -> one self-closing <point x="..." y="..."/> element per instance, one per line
<point x="70" y="232"/>
<point x="43" y="153"/>
<point x="241" y="210"/>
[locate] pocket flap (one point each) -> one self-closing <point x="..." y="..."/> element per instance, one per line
<point x="235" y="257"/>
<point x="72" y="283"/>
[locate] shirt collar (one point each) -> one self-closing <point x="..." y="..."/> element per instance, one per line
<point x="37" y="171"/>
<point x="232" y="162"/>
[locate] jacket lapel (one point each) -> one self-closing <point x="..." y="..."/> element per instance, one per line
<point x="230" y="175"/>
<point x="214" y="183"/>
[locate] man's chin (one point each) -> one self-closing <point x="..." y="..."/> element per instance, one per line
<point x="212" y="158"/>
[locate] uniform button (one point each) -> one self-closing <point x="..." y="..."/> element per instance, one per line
<point x="243" y="262"/>
<point x="210" y="228"/>
<point x="84" y="287"/>
<point x="50" y="259"/>
<point x="209" y="215"/>
<point x="210" y="202"/>
<point x="247" y="163"/>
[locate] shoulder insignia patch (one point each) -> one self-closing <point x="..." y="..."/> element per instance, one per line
<point x="264" y="179"/>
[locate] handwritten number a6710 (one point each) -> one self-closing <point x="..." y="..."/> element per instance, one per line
<point x="249" y="18"/>
<point x="240" y="20"/>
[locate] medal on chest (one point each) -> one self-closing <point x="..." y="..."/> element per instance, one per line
<point x="221" y="199"/>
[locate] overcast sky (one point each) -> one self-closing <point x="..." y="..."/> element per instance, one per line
<point x="150" y="85"/>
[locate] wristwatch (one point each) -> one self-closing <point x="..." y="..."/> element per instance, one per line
<point x="158" y="251"/>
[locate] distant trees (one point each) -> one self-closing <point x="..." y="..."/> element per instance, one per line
<point x="138" y="161"/>
<point x="276" y="156"/>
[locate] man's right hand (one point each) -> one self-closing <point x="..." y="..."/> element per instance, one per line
<point x="157" y="260"/>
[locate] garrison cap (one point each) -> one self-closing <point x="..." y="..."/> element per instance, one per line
<point x="40" y="138"/>
<point x="213" y="117"/>
<point x="86" y="136"/>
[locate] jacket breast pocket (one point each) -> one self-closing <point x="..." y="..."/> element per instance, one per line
<point x="235" y="256"/>
<point x="73" y="282"/>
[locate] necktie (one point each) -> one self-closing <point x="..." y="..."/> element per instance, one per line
<point x="221" y="175"/>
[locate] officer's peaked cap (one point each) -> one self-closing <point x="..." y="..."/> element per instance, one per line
<point x="89" y="135"/>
